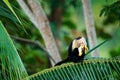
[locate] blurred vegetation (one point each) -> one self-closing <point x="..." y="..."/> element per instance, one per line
<point x="67" y="22"/>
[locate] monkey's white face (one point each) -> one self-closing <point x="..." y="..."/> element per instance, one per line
<point x="81" y="45"/>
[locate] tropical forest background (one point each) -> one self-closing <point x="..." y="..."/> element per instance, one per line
<point x="67" y="22"/>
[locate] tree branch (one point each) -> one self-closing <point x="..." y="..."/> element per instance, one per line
<point x="28" y="12"/>
<point x="44" y="28"/>
<point x="40" y="21"/>
<point x="37" y="43"/>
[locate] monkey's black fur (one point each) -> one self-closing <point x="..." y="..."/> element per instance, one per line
<point x="72" y="55"/>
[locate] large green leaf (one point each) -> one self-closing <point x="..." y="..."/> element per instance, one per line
<point x="11" y="66"/>
<point x="91" y="69"/>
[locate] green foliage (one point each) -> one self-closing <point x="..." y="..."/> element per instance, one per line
<point x="34" y="59"/>
<point x="65" y="4"/>
<point x="9" y="6"/>
<point x="112" y="12"/>
<point x="6" y="13"/>
<point x="32" y="55"/>
<point x="115" y="50"/>
<point x="91" y="69"/>
<point x="10" y="18"/>
<point x="69" y="24"/>
<point x="11" y="66"/>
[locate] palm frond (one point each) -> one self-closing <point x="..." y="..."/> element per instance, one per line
<point x="9" y="6"/>
<point x="97" y="46"/>
<point x="12" y="10"/>
<point x="11" y="66"/>
<point x="91" y="69"/>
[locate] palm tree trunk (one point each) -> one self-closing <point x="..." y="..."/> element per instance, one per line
<point x="90" y="28"/>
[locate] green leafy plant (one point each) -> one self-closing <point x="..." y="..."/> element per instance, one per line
<point x="112" y="13"/>
<point x="91" y="69"/>
<point x="11" y="67"/>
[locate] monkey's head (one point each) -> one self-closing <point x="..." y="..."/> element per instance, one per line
<point x="78" y="48"/>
